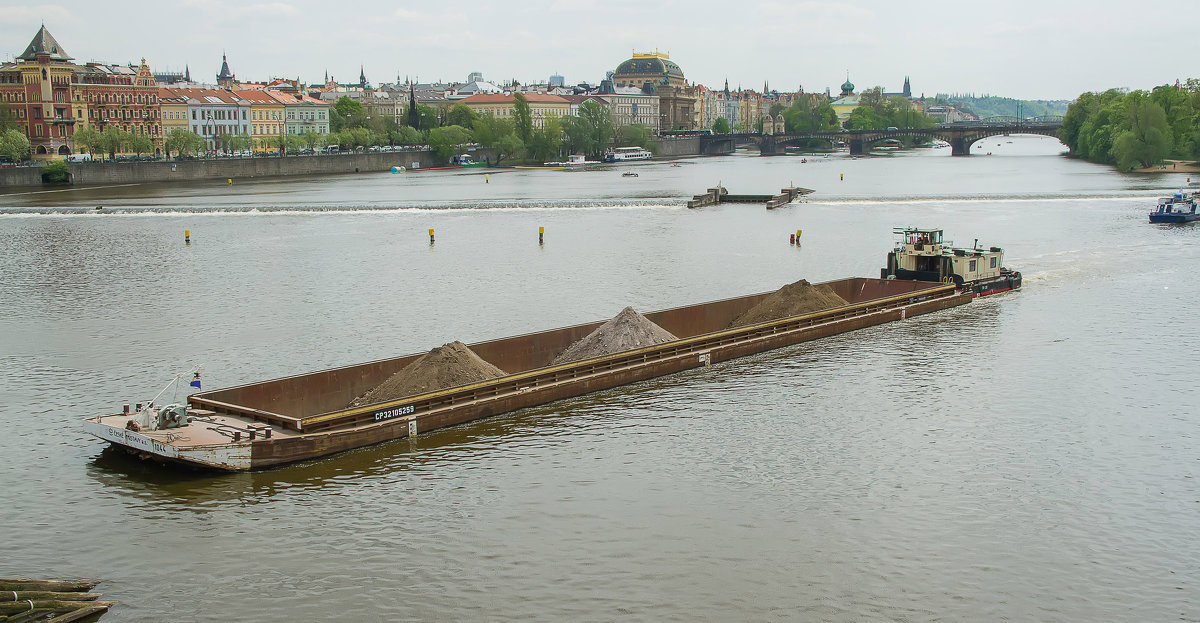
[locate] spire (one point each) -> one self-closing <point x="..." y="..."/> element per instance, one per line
<point x="907" y="91"/>
<point x="362" y="77"/>
<point x="187" y="74"/>
<point x="44" y="43"/>
<point x="225" y="77"/>
<point x="727" y="86"/>
<point x="414" y="119"/>
<point x="326" y="76"/>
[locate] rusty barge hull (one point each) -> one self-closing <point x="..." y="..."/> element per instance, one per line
<point x="305" y="416"/>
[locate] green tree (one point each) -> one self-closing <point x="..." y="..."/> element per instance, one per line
<point x="14" y="145"/>
<point x="636" y="135"/>
<point x="113" y="139"/>
<point x="409" y="136"/>
<point x="546" y="140"/>
<point x="311" y="139"/>
<point x="522" y="118"/>
<point x="488" y="130"/>
<point x="347" y="113"/>
<point x="864" y="118"/>
<point x="1146" y="138"/>
<point x="428" y="117"/>
<point x="86" y="140"/>
<point x="721" y="126"/>
<point x="449" y="140"/>
<point x="8" y="120"/>
<point x="509" y="145"/>
<point x="241" y="142"/>
<point x="140" y="144"/>
<point x="56" y="172"/>
<point x="182" y="142"/>
<point x="461" y="115"/>
<point x="776" y="109"/>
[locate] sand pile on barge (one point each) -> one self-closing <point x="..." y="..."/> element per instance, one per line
<point x="446" y="366"/>
<point x="791" y="300"/>
<point x="626" y="331"/>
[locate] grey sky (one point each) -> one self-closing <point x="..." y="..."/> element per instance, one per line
<point x="1036" y="50"/>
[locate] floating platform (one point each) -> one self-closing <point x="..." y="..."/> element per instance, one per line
<point x="719" y="194"/>
<point x="270" y="423"/>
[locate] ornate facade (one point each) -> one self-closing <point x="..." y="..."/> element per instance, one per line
<point x="655" y="73"/>
<point x="51" y="97"/>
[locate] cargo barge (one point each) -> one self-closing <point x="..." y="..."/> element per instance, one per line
<point x="270" y="423"/>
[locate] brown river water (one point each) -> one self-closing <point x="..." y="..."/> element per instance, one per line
<point x="1031" y="456"/>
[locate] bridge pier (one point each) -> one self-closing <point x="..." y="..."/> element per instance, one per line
<point x="857" y="147"/>
<point x="960" y="146"/>
<point x="766" y="146"/>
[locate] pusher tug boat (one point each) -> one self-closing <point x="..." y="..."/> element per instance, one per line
<point x="923" y="255"/>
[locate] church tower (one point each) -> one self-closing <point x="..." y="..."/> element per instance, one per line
<point x="225" y="78"/>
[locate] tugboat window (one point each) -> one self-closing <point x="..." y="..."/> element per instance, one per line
<point x="993" y="262"/>
<point x="972" y="266"/>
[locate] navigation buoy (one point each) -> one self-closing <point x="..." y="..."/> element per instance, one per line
<point x="230" y="180"/>
<point x="430" y="236"/>
<point x="187" y="236"/>
<point x="792" y="239"/>
<point x="541" y="233"/>
<point x="841" y="177"/>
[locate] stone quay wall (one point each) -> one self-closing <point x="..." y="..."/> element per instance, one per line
<point x="104" y="173"/>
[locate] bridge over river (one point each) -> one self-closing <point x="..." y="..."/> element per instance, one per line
<point x="960" y="135"/>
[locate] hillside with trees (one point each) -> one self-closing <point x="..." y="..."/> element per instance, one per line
<point x="984" y="106"/>
<point x="1135" y="129"/>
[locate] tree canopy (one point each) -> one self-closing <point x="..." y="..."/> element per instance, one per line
<point x="590" y="132"/>
<point x="14" y="145"/>
<point x="1135" y="129"/>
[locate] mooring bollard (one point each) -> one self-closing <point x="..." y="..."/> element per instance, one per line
<point x="541" y="234"/>
<point x="430" y="236"/>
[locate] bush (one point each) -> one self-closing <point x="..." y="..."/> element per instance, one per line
<point x="56" y="172"/>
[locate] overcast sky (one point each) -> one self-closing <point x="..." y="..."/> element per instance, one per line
<point x="1033" y="50"/>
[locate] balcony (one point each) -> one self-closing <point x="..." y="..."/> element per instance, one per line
<point x="62" y="121"/>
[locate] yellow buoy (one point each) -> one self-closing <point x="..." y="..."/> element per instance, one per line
<point x="431" y="236"/>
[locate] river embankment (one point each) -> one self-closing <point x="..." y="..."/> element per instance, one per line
<point x="103" y="173"/>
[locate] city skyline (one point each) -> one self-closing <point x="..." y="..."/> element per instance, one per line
<point x="1025" y="50"/>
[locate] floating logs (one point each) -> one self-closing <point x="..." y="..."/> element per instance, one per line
<point x="55" y="601"/>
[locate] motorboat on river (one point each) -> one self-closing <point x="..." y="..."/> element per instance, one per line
<point x="1175" y="209"/>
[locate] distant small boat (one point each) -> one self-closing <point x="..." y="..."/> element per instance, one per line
<point x="1175" y="209"/>
<point x="629" y="174"/>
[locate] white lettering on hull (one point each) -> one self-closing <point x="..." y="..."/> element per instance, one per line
<point x="231" y="456"/>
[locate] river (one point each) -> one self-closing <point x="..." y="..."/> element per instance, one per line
<point x="1031" y="456"/>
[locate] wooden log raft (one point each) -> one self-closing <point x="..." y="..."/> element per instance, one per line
<point x="27" y="601"/>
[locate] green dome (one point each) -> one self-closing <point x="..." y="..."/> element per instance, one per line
<point x="848" y="86"/>
<point x="649" y="65"/>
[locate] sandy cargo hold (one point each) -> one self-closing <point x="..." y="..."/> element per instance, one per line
<point x="270" y="423"/>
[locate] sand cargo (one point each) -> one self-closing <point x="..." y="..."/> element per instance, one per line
<point x="261" y="425"/>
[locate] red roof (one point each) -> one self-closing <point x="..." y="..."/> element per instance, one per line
<point x="499" y="98"/>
